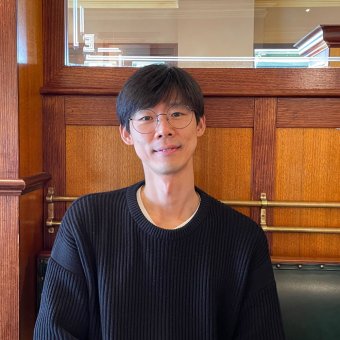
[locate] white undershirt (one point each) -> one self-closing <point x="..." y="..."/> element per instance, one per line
<point x="147" y="216"/>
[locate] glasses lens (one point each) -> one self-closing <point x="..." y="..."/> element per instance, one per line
<point x="180" y="116"/>
<point x="144" y="121"/>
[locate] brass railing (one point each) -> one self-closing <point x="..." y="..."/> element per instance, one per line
<point x="263" y="204"/>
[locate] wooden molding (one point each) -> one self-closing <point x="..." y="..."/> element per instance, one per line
<point x="21" y="186"/>
<point x="302" y="260"/>
<point x="321" y="82"/>
<point x="320" y="38"/>
<point x="35" y="182"/>
<point x="244" y="82"/>
<point x="9" y="187"/>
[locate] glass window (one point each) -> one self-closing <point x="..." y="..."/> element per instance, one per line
<point x="197" y="33"/>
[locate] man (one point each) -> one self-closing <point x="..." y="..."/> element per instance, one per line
<point x="160" y="259"/>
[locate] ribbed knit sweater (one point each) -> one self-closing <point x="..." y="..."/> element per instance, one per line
<point x="114" y="275"/>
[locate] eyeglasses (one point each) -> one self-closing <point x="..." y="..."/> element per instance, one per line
<point x="178" y="116"/>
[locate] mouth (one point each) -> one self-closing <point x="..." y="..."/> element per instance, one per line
<point x="167" y="149"/>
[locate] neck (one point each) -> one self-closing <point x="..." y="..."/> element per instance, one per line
<point x="169" y="200"/>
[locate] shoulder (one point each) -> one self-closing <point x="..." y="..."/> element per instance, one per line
<point x="230" y="228"/>
<point x="100" y="199"/>
<point x="93" y="206"/>
<point x="226" y="215"/>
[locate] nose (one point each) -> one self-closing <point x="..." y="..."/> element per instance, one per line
<point x="163" y="126"/>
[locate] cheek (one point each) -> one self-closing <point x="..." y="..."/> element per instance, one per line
<point x="141" y="148"/>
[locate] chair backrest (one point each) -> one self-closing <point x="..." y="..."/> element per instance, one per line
<point x="310" y="300"/>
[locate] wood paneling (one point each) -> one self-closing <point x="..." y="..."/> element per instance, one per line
<point x="98" y="160"/>
<point x="9" y="268"/>
<point x="319" y="82"/>
<point x="223" y="163"/>
<point x="9" y="149"/>
<point x="54" y="151"/>
<point x="308" y="112"/>
<point x="8" y="92"/>
<point x="229" y="112"/>
<point x="101" y="110"/>
<point x="30" y="81"/>
<point x="263" y="171"/>
<point x="53" y="17"/>
<point x="104" y="162"/>
<point x="307" y="169"/>
<point x="90" y="110"/>
<point x="245" y="105"/>
<point x="31" y="242"/>
<point x="30" y="76"/>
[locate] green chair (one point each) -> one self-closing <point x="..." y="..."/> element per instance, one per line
<point x="310" y="300"/>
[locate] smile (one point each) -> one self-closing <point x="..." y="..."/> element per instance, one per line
<point x="168" y="149"/>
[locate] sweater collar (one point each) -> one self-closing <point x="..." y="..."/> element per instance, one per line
<point x="195" y="223"/>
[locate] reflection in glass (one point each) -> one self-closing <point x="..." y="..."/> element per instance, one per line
<point x="198" y="33"/>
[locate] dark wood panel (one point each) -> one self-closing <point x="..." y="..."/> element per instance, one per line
<point x="9" y="268"/>
<point x="31" y="243"/>
<point x="53" y="37"/>
<point x="308" y="112"/>
<point x="93" y="110"/>
<point x="30" y="81"/>
<point x="9" y="170"/>
<point x="214" y="82"/>
<point x="35" y="182"/>
<point x="30" y="74"/>
<point x="101" y="110"/>
<point x="8" y="92"/>
<point x="263" y="170"/>
<point x="54" y="136"/>
<point x="229" y="112"/>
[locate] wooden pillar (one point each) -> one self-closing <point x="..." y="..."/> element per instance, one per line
<point x="21" y="177"/>
<point x="9" y="171"/>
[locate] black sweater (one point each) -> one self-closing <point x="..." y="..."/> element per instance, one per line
<point x="114" y="275"/>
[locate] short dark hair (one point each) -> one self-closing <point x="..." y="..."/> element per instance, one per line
<point x="155" y="83"/>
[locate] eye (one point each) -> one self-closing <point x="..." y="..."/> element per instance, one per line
<point x="177" y="114"/>
<point x="145" y="118"/>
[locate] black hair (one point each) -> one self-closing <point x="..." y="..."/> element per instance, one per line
<point x="155" y="83"/>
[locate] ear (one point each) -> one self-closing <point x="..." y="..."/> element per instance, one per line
<point x="125" y="135"/>
<point x="201" y="125"/>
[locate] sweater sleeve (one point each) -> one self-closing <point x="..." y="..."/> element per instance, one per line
<point x="260" y="315"/>
<point x="63" y="312"/>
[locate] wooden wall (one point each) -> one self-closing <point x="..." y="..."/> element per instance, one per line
<point x="21" y="177"/>
<point x="9" y="170"/>
<point x="30" y="73"/>
<point x="252" y="145"/>
<point x="269" y="130"/>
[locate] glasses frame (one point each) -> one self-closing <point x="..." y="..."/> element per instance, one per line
<point x="162" y="114"/>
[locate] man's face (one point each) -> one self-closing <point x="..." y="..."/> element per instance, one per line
<point x="166" y="150"/>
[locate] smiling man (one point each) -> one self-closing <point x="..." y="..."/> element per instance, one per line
<point x="161" y="259"/>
